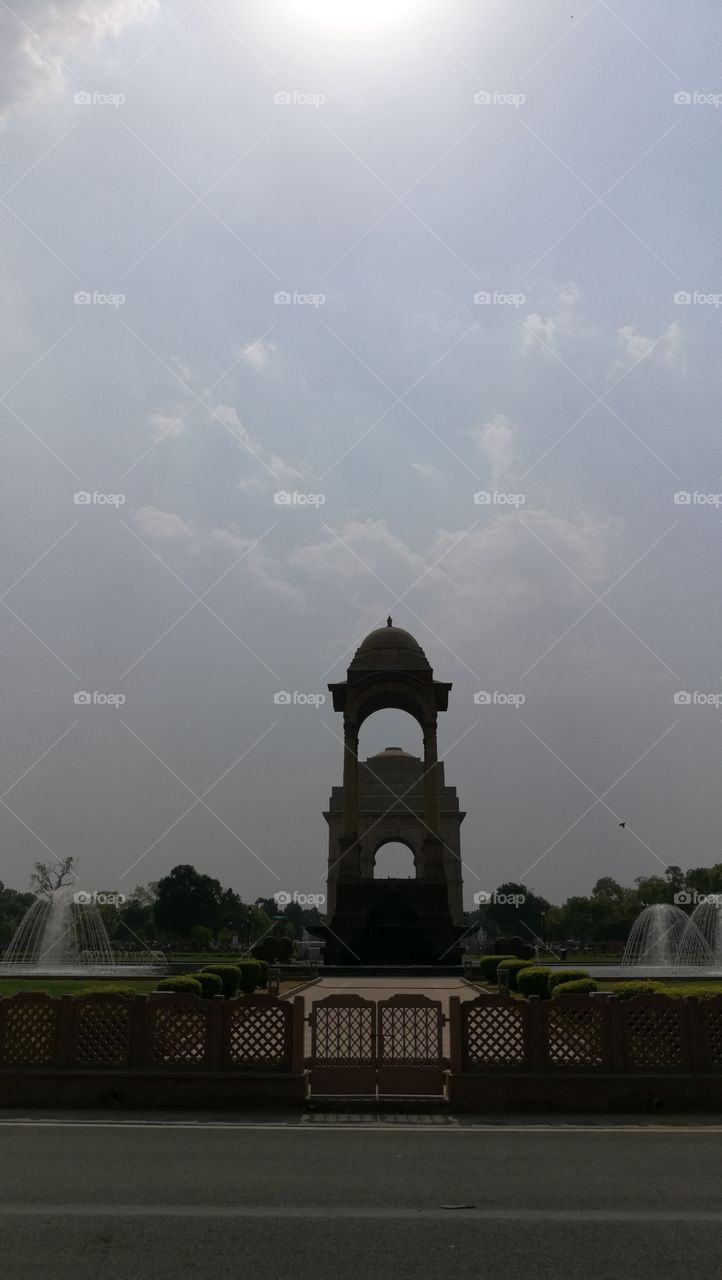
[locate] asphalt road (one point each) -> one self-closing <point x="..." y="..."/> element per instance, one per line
<point x="420" y="1198"/>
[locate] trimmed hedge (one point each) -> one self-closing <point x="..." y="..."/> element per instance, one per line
<point x="184" y="984"/>
<point x="513" y="968"/>
<point x="266" y="949"/>
<point x="577" y="987"/>
<point x="211" y="983"/>
<point x="488" y="966"/>
<point x="284" y="949"/>
<point x="250" y="976"/>
<point x="533" y="981"/>
<point x="702" y="993"/>
<point x="565" y="975"/>
<point x="229" y="974"/>
<point x="628" y="990"/>
<point x="109" y="989"/>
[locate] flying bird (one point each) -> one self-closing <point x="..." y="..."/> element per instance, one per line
<point x="622" y="824"/>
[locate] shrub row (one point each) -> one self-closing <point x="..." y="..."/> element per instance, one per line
<point x="488" y="966"/>
<point x="513" y="968"/>
<point x="109" y="989"/>
<point x="220" y="979"/>
<point x="575" y="987"/>
<point x="534" y="980"/>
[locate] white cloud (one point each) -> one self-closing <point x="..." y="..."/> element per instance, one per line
<point x="271" y="470"/>
<point x="496" y="441"/>
<point x="275" y="467"/>
<point x="372" y="547"/>
<point x="263" y="569"/>
<point x="635" y="347"/>
<point x="35" y="43"/>
<point x="166" y="424"/>
<point x="541" y="332"/>
<point x="153" y="523"/>
<point x="500" y="586"/>
<point x="258" y="354"/>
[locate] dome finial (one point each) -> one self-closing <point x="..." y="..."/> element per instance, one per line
<point x="389" y="623"/>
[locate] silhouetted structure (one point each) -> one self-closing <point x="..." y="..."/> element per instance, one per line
<point x="393" y="796"/>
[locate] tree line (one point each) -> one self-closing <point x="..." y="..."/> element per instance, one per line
<point x="183" y="908"/>
<point x="188" y="907"/>
<point x="602" y="918"/>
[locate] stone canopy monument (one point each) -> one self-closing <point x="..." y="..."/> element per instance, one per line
<point x="393" y="796"/>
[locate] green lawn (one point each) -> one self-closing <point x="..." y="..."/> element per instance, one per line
<point x="68" y="986"/>
<point x="685" y="987"/>
<point x="75" y="987"/>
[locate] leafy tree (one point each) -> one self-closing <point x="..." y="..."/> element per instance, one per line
<point x="269" y="905"/>
<point x="137" y="922"/>
<point x="505" y="914"/>
<point x="607" y="890"/>
<point x="13" y="906"/>
<point x="652" y="889"/>
<point x="110" y="913"/>
<point x="185" y="898"/>
<point x="676" y="878"/>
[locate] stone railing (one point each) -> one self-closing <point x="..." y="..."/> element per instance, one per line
<point x="579" y="1051"/>
<point x="251" y="1048"/>
<point x="570" y="1053"/>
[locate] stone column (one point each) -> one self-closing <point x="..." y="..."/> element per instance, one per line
<point x="350" y="779"/>
<point x="431" y="780"/>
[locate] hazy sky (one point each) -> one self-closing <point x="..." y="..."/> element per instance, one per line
<point x="389" y="256"/>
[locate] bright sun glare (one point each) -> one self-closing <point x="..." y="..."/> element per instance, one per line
<point x="355" y="13"/>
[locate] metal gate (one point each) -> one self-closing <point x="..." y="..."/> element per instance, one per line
<point x="364" y="1048"/>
